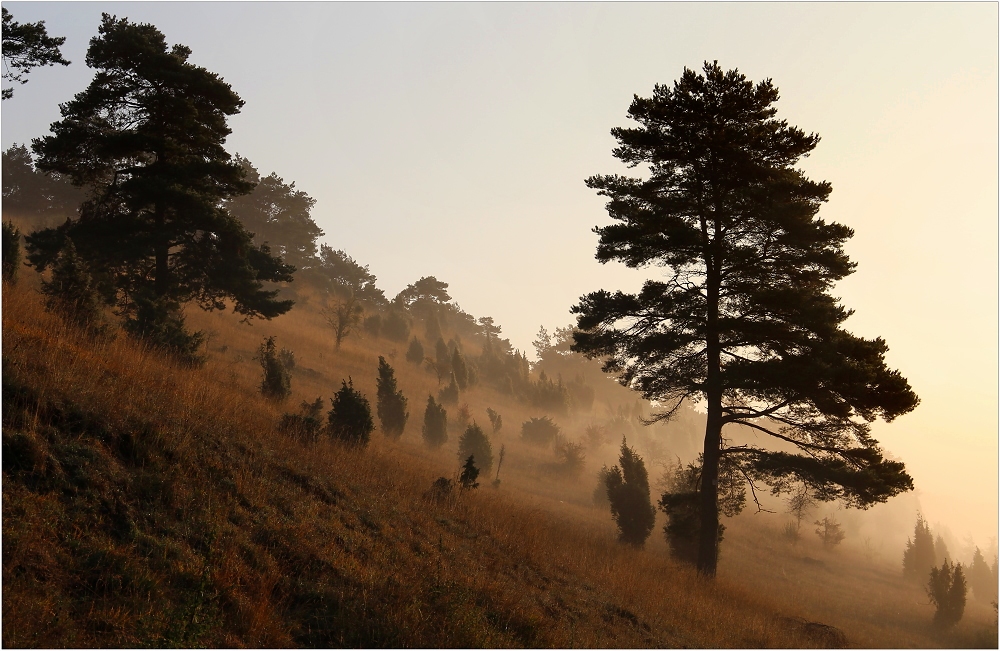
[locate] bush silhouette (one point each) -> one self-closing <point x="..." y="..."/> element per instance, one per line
<point x="391" y="404"/>
<point x="682" y="504"/>
<point x="829" y="531"/>
<point x="11" y="252"/>
<point x="350" y="416"/>
<point x="307" y="423"/>
<point x="160" y="323"/>
<point x="570" y="455"/>
<point x="473" y="442"/>
<point x="435" y="429"/>
<point x="469" y="474"/>
<point x="496" y="420"/>
<point x="628" y="492"/>
<point x="539" y="431"/>
<point x="947" y="591"/>
<point x="415" y="353"/>
<point x="395" y="326"/>
<point x="72" y="292"/>
<point x="277" y="382"/>
<point x="449" y="394"/>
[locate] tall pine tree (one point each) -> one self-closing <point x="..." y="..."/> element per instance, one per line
<point x="743" y="319"/>
<point x="146" y="141"/>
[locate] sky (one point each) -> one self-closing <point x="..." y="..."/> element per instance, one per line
<point x="453" y="139"/>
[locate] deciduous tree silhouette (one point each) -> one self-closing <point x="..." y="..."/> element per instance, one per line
<point x="743" y="320"/>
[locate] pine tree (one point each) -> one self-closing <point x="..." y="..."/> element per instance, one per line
<point x="27" y="46"/>
<point x="71" y="290"/>
<point x="415" y="353"/>
<point x="11" y="252"/>
<point x="981" y="580"/>
<point x="947" y="591"/>
<point x="391" y="404"/>
<point x="470" y="472"/>
<point x="628" y="492"/>
<point x="919" y="556"/>
<point x="146" y="139"/>
<point x="449" y="394"/>
<point x="278" y="215"/>
<point x="277" y="382"/>
<point x="460" y="369"/>
<point x="743" y="320"/>
<point x="474" y="442"/>
<point x="435" y="430"/>
<point x="350" y="416"/>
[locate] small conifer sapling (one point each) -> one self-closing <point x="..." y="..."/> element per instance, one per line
<point x="350" y="418"/>
<point x="391" y="405"/>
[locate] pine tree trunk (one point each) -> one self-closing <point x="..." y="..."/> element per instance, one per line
<point x="161" y="282"/>
<point x="708" y="547"/>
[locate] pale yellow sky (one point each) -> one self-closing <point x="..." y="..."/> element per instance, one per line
<point x="453" y="139"/>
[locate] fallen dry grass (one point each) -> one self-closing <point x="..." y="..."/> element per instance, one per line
<point x="146" y="504"/>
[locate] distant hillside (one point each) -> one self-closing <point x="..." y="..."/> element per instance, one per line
<point x="148" y="504"/>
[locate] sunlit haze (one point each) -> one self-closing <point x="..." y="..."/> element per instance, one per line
<point x="453" y="140"/>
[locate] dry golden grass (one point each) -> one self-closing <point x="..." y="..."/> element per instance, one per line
<point x="150" y="504"/>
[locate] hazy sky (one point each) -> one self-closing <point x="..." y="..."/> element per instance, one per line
<point x="454" y="139"/>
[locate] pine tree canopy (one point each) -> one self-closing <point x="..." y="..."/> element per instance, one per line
<point x="27" y="46"/>
<point x="279" y="215"/>
<point x="146" y="140"/>
<point x="742" y="317"/>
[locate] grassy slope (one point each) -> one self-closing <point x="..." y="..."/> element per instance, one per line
<point x="145" y="504"/>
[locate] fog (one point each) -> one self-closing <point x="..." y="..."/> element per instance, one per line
<point x="453" y="140"/>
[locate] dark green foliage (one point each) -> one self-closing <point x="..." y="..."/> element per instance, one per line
<point x="570" y="456"/>
<point x="539" y="431"/>
<point x="947" y="591"/>
<point x="391" y="405"/>
<point x="549" y="395"/>
<point x="396" y="326"/>
<point x="277" y="382"/>
<point x="350" y="416"/>
<point x="682" y="504"/>
<point x="415" y="353"/>
<point x="160" y="323"/>
<point x="424" y="296"/>
<point x="11" y="252"/>
<point x="743" y="319"/>
<point x="435" y="430"/>
<point x="829" y="531"/>
<point x="373" y="325"/>
<point x="347" y="278"/>
<point x="919" y="556"/>
<point x="287" y="359"/>
<point x="981" y="579"/>
<point x="146" y="139"/>
<point x="449" y="394"/>
<point x="628" y="493"/>
<point x="278" y="215"/>
<point x="470" y="472"/>
<point x="25" y="47"/>
<point x="29" y="193"/>
<point x="474" y="442"/>
<point x="307" y="423"/>
<point x="460" y="370"/>
<point x="71" y="290"/>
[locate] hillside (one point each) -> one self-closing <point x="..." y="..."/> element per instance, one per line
<point x="150" y="504"/>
